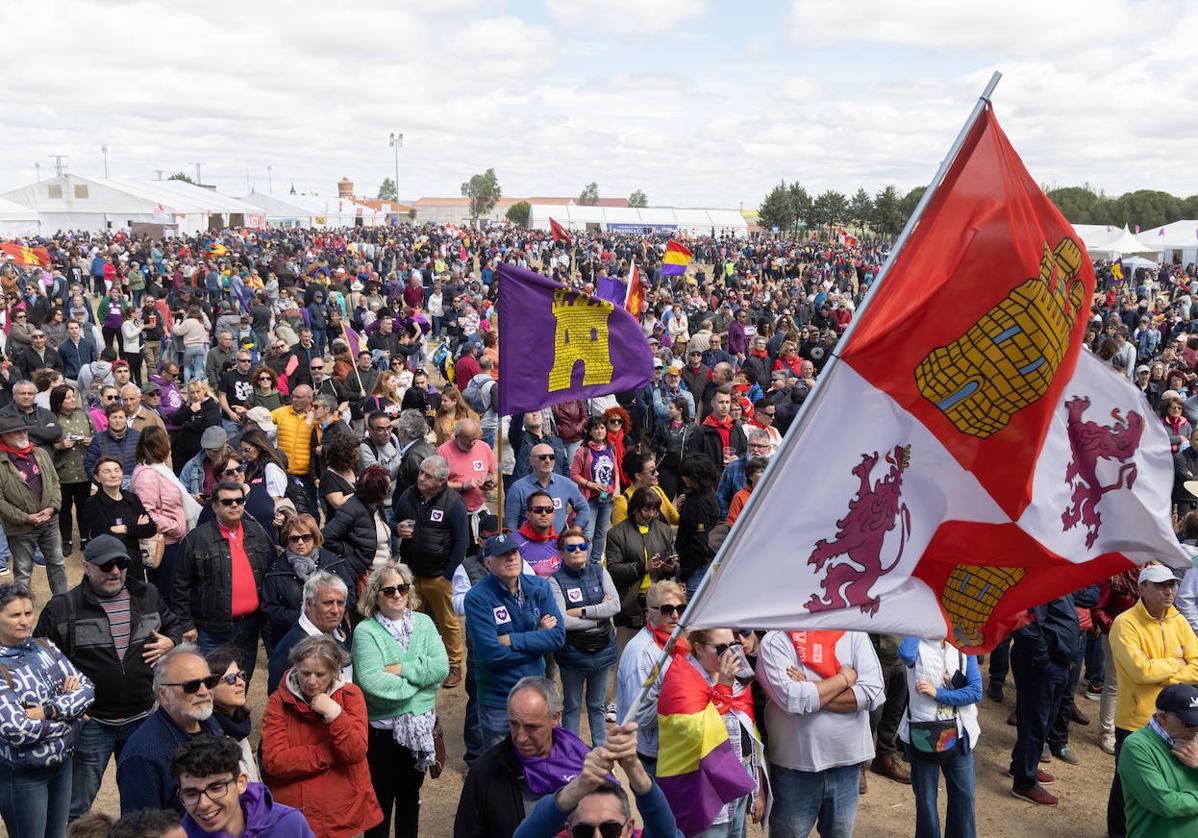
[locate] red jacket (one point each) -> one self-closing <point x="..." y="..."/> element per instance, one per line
<point x="318" y="767"/>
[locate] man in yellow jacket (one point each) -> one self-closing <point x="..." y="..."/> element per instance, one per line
<point x="1153" y="646"/>
<point x="295" y="437"/>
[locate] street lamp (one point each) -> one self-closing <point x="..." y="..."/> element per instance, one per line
<point x="396" y="143"/>
<point x="104" y="151"/>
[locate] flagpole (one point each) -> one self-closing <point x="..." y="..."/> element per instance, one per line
<point x="345" y="335"/>
<point x="773" y="469"/>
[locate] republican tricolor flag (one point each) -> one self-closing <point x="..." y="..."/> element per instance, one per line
<point x="677" y="257"/>
<point x="966" y="458"/>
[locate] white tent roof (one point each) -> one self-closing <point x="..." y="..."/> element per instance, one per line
<point x="12" y="211"/>
<point x="1131" y="263"/>
<point x="119" y="195"/>
<point x="574" y="215"/>
<point x="1114" y="241"/>
<point x="1180" y="235"/>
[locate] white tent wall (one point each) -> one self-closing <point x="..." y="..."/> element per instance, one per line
<point x="1178" y="241"/>
<point x="697" y="222"/>
<point x="17" y="220"/>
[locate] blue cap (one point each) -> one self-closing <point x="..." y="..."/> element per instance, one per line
<point x="497" y="545"/>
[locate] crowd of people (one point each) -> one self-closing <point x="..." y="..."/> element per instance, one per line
<point x="288" y="444"/>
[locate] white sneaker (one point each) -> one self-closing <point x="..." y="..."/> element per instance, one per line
<point x="611" y="713"/>
<point x="1107" y="742"/>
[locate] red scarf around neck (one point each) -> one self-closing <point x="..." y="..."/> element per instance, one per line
<point x="528" y="532"/>
<point x="24" y="453"/>
<point x="661" y="635"/>
<point x="817" y="650"/>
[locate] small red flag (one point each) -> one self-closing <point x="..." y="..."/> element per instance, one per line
<point x="634" y="301"/>
<point x="22" y="255"/>
<point x="559" y="233"/>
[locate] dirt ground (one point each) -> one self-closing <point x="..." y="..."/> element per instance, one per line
<point x="887" y="808"/>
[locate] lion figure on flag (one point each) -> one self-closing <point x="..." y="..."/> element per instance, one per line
<point x="860" y="535"/>
<point x="1092" y="442"/>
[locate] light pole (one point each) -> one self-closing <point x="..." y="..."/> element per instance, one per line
<point x="270" y="183"/>
<point x="199" y="179"/>
<point x="104" y="151"/>
<point x="397" y="144"/>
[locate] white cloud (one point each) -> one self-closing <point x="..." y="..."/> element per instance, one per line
<point x="625" y="17"/>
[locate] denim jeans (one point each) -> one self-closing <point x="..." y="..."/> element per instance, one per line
<point x="493" y="723"/>
<point x="49" y="539"/>
<point x="34" y="801"/>
<point x="1094" y="672"/>
<point x="959" y="781"/>
<point x="596" y="529"/>
<point x="594" y="682"/>
<point x="97" y="744"/>
<point x="243" y="636"/>
<point x="5" y="552"/>
<point x="193" y="363"/>
<point x="1058" y="734"/>
<point x="734" y="827"/>
<point x="803" y="799"/>
<point x="692" y="582"/>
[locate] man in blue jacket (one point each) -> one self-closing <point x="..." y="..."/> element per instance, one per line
<point x="512" y="621"/>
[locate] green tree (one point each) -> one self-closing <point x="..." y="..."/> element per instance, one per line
<point x="909" y="202"/>
<point x="830" y="208"/>
<point x="638" y="199"/>
<point x="517" y="213"/>
<point x="777" y="209"/>
<point x="861" y="209"/>
<point x="1148" y="208"/>
<point x="388" y="191"/>
<point x="1081" y="204"/>
<point x="804" y="207"/>
<point x="181" y="176"/>
<point x="483" y="191"/>
<point x="1189" y="207"/>
<point x="887" y="218"/>
<point x="589" y="196"/>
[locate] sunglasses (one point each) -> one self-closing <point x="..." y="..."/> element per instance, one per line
<point x="542" y="510"/>
<point x="193" y="686"/>
<point x="110" y="398"/>
<point x="721" y="648"/>
<point x="317" y="367"/>
<point x="607" y="829"/>
<point x="576" y="548"/>
<point x="615" y="421"/>
<point x="395" y="590"/>
<point x="231" y="501"/>
<point x="265" y="378"/>
<point x="119" y="562"/>
<point x="229" y="472"/>
<point x="546" y="457"/>
<point x="669" y="610"/>
<point x="233" y="677"/>
<point x="298" y="537"/>
<point x="243" y="360"/>
<point x="35" y="337"/>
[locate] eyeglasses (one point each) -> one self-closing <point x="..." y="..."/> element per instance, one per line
<point x="295" y="538"/>
<point x="615" y="421"/>
<point x="607" y="829"/>
<point x="243" y="360"/>
<point x="110" y="398"/>
<point x="193" y="686"/>
<point x="541" y="510"/>
<point x="263" y="378"/>
<point x="392" y="591"/>
<point x="576" y="548"/>
<point x="119" y="562"/>
<point x="745" y="632"/>
<point x="770" y="412"/>
<point x="231" y="501"/>
<point x="545" y="457"/>
<point x="721" y="648"/>
<point x="669" y="610"/>
<point x="233" y="677"/>
<point x="229" y="472"/>
<point x="213" y="791"/>
<point x="317" y="367"/>
<point x="35" y="337"/>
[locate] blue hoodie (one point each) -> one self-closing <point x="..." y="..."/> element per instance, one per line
<point x="32" y="675"/>
<point x="263" y="818"/>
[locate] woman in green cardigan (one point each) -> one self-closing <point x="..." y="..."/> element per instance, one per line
<point x="399" y="662"/>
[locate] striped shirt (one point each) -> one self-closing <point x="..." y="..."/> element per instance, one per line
<point x="117" y="609"/>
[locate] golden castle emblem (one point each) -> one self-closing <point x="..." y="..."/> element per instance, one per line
<point x="581" y="335"/>
<point x="1007" y="360"/>
<point x="970" y="596"/>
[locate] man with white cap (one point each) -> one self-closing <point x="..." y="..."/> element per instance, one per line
<point x="1158" y="767"/>
<point x="1153" y="646"/>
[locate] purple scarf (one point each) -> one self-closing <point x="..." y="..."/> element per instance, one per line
<point x="545" y="775"/>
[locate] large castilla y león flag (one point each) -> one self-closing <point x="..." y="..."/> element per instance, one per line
<point x="558" y="344"/>
<point x="966" y="458"/>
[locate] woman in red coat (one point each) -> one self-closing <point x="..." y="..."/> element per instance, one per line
<point x="314" y="743"/>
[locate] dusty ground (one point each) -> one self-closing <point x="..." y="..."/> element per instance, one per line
<point x="886" y="809"/>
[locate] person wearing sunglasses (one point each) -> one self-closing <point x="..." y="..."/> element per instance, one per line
<point x="641" y="466"/>
<point x="43" y="698"/>
<point x="221" y="799"/>
<point x="230" y="706"/>
<point x="587" y="597"/>
<point x="537" y="538"/>
<point x="592" y="806"/>
<point x="547" y="475"/>
<point x="183" y="686"/>
<point x="399" y="662"/>
<point x="665" y="602"/>
<point x="217" y="585"/>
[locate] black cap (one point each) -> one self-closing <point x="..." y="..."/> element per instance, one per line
<point x="1181" y="700"/>
<point x="104" y="548"/>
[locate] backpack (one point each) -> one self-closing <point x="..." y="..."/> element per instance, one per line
<point x="297" y="495"/>
<point x="474" y="394"/>
<point x="443" y="360"/>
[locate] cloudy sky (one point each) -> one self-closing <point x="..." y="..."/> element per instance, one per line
<point x="697" y="102"/>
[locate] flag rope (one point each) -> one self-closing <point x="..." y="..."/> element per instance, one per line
<point x="774" y="466"/>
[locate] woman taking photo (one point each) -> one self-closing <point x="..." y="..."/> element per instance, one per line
<point x="263" y="465"/>
<point x="399" y="662"/>
<point x="1178" y="428"/>
<point x="131" y="329"/>
<point x="198" y="414"/>
<point x="358" y="532"/>
<point x="77" y="433"/>
<point x="266" y="389"/>
<point x="640" y="551"/>
<point x="452" y="410"/>
<point x="314" y="742"/>
<point x="229" y="705"/>
<point x="118" y="512"/>
<point x="282" y="596"/>
<point x="586" y="596"/>
<point x="173" y="511"/>
<point x="595" y="471"/>
<point x="944" y="687"/>
<point x="42" y="702"/>
<point x="670" y="438"/>
<point x="341" y="459"/>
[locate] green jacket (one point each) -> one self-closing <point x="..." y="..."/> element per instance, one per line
<point x="69" y="461"/>
<point x="1160" y="794"/>
<point x="425" y="666"/>
<point x="16" y="498"/>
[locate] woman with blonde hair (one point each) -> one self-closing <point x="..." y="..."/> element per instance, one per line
<point x="452" y="410"/>
<point x="399" y="662"/>
<point x="198" y="414"/>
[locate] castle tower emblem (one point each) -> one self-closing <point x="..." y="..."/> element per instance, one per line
<point x="581" y="337"/>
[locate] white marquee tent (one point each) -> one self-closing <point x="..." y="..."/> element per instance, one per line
<point x="1109" y="242"/>
<point x="17" y="220"/>
<point x="73" y="202"/>
<point x="1178" y="241"/>
<point x="313" y="211"/>
<point x="702" y="222"/>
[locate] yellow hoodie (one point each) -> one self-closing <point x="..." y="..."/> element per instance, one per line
<point x="1149" y="654"/>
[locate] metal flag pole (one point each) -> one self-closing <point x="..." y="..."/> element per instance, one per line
<point x="769" y="477"/>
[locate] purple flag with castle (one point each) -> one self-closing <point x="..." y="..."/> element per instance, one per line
<point x="557" y="344"/>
